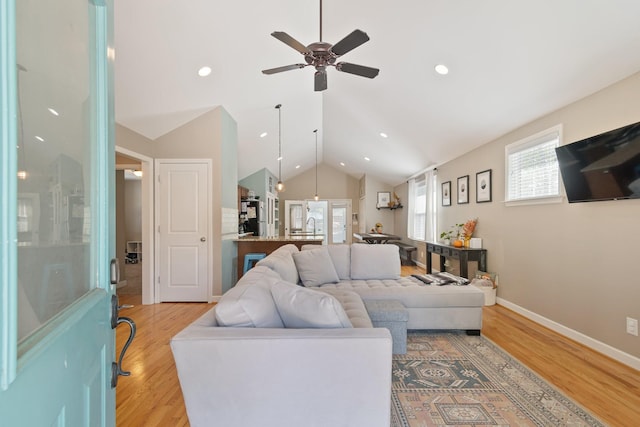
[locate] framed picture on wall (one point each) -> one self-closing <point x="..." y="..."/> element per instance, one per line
<point x="383" y="199"/>
<point x="446" y="193"/>
<point x="463" y="190"/>
<point x="483" y="186"/>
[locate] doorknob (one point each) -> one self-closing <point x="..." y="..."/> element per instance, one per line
<point x="203" y="239"/>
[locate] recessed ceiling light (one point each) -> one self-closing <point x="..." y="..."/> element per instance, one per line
<point x="367" y="159"/>
<point x="384" y="135"/>
<point x="263" y="134"/>
<point x="204" y="71"/>
<point x="442" y="69"/>
<point x="341" y="163"/>
<point x="54" y="112"/>
<point x="297" y="166"/>
<point x="39" y="138"/>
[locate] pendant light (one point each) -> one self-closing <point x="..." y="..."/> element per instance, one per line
<point x="280" y="184"/>
<point x="316" y="196"/>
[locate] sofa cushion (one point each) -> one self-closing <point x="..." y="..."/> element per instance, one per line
<point x="300" y="307"/>
<point x="249" y="303"/>
<point x="352" y="305"/>
<point x="282" y="263"/>
<point x="375" y="262"/>
<point x="341" y="257"/>
<point x="315" y="267"/>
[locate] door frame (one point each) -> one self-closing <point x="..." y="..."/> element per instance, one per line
<point x="156" y="227"/>
<point x="148" y="236"/>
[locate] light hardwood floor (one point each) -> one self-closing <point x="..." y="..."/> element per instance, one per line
<point x="151" y="396"/>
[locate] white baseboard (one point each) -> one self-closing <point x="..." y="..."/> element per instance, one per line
<point x="583" y="339"/>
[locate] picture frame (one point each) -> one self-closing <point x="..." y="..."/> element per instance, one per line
<point x="446" y="193"/>
<point x="463" y="190"/>
<point x="483" y="186"/>
<point x="384" y="197"/>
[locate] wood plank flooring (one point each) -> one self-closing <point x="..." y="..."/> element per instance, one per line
<point x="151" y="396"/>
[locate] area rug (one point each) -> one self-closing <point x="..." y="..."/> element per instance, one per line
<point x="451" y="379"/>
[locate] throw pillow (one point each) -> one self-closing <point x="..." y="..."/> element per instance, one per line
<point x="305" y="308"/>
<point x="315" y="267"/>
<point x="282" y="263"/>
<point x="375" y="262"/>
<point x="340" y="255"/>
<point x="250" y="305"/>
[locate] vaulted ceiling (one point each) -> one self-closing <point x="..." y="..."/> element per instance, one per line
<point x="510" y="62"/>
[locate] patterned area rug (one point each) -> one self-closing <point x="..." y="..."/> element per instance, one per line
<point x="451" y="379"/>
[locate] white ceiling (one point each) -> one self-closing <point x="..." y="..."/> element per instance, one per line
<point x="510" y="62"/>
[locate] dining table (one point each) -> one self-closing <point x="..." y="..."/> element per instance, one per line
<point x="376" y="238"/>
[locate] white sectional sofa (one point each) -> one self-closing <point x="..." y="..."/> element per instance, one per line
<point x="274" y="353"/>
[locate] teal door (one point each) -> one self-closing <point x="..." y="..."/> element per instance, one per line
<point x="56" y="205"/>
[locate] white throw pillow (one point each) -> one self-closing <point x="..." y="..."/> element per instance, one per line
<point x="375" y="262"/>
<point x="300" y="307"/>
<point x="281" y="261"/>
<point x="340" y="256"/>
<point x="315" y="267"/>
<point x="249" y="305"/>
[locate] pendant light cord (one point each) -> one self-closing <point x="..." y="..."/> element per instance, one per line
<point x="316" y="132"/>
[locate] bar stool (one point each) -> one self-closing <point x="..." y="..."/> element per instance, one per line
<point x="250" y="259"/>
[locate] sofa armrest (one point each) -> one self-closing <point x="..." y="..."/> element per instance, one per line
<point x="284" y="377"/>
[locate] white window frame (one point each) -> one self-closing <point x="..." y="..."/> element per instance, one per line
<point x="539" y="138"/>
<point x="430" y="208"/>
<point x="417" y="212"/>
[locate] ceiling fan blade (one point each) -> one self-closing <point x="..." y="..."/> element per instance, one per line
<point x="350" y="42"/>
<point x="320" y="81"/>
<point x="358" y="70"/>
<point x="284" y="68"/>
<point x="290" y="41"/>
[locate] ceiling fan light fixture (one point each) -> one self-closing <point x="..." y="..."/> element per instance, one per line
<point x="321" y="55"/>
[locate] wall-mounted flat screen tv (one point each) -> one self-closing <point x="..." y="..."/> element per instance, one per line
<point x="602" y="167"/>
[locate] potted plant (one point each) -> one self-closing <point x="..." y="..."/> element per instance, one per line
<point x="445" y="236"/>
<point x="448" y="236"/>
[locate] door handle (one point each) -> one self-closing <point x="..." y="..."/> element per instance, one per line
<point x="114" y="271"/>
<point x="203" y="239"/>
<point x="116" y="368"/>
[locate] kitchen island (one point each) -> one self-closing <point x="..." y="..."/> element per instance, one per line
<point x="266" y="245"/>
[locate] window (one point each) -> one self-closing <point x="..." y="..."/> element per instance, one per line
<point x="532" y="168"/>
<point x="417" y="209"/>
<point x="421" y="207"/>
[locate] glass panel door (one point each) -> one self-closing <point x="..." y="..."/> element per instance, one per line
<point x="60" y="342"/>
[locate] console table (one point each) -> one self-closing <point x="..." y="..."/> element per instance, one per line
<point x="463" y="254"/>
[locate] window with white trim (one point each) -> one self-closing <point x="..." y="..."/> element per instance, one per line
<point x="421" y="221"/>
<point x="417" y="208"/>
<point x="532" y="173"/>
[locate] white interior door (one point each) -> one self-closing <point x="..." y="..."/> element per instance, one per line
<point x="184" y="224"/>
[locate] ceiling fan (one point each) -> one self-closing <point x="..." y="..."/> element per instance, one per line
<point x="322" y="55"/>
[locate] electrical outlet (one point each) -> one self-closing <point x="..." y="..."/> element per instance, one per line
<point x="632" y="326"/>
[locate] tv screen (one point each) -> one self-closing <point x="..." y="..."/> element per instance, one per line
<point x="602" y="167"/>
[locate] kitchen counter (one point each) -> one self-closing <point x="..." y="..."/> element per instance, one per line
<point x="266" y="245"/>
